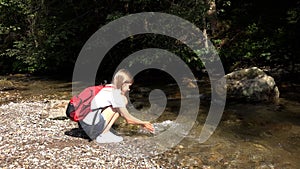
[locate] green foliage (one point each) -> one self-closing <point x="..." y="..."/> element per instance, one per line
<point x="38" y="36"/>
<point x="43" y="34"/>
<point x="259" y="34"/>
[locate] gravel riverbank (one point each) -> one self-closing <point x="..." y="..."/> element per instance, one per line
<point x="29" y="139"/>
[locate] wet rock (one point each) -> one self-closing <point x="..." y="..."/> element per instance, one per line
<point x="191" y="162"/>
<point x="216" y="157"/>
<point x="252" y="85"/>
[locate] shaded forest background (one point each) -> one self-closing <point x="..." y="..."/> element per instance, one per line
<point x="45" y="37"/>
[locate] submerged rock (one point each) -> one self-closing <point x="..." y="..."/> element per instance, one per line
<point x="252" y="85"/>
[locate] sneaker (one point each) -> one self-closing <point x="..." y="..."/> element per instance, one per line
<point x="108" y="137"/>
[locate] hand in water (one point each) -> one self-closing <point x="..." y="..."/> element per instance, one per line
<point x="148" y="126"/>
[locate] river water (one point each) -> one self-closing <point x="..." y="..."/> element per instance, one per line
<point x="248" y="135"/>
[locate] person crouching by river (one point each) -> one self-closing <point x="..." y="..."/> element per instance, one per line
<point x="113" y="101"/>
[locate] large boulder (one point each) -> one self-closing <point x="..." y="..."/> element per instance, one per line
<point x="252" y="85"/>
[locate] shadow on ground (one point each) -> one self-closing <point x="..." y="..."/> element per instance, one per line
<point x="77" y="132"/>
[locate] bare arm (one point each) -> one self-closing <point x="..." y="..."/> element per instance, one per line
<point x="133" y="120"/>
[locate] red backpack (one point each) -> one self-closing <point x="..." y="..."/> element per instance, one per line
<point x="80" y="105"/>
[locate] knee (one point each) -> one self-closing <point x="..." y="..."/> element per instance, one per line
<point x="110" y="112"/>
<point x="117" y="114"/>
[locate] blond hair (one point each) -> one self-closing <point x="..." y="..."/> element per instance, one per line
<point x="122" y="76"/>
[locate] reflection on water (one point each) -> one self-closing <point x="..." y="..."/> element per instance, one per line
<point x="248" y="136"/>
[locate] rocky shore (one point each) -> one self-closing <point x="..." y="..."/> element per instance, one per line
<point x="29" y="139"/>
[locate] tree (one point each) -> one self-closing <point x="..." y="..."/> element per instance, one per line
<point x="46" y="36"/>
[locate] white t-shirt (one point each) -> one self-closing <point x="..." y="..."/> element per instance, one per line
<point x="106" y="97"/>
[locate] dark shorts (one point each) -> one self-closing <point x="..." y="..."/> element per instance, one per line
<point x="93" y="130"/>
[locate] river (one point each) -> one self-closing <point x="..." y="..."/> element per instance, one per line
<point x="248" y="135"/>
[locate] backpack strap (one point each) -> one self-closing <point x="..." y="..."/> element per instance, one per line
<point x="97" y="109"/>
<point x="101" y="108"/>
